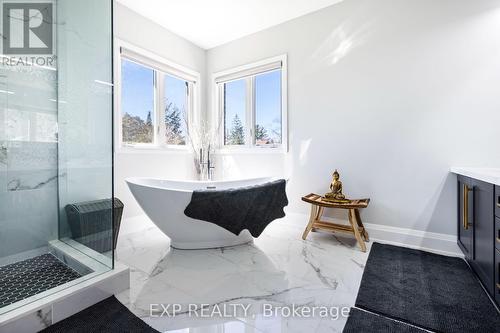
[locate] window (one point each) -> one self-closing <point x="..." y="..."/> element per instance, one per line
<point x="268" y="108"/>
<point x="156" y="100"/>
<point x="176" y="108"/>
<point x="234" y="112"/>
<point x="252" y="105"/>
<point x="138" y="103"/>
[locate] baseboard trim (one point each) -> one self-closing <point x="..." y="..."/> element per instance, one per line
<point x="421" y="240"/>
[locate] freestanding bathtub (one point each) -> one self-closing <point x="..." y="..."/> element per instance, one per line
<point x="164" y="202"/>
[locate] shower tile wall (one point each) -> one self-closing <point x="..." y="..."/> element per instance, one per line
<point x="28" y="159"/>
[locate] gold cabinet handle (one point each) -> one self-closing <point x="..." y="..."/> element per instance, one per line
<point x="465" y="212"/>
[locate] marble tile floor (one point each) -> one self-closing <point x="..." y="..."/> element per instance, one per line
<point x="277" y="272"/>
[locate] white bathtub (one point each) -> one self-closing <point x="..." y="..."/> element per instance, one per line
<point x="164" y="202"/>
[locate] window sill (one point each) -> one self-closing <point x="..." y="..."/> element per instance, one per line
<point x="153" y="150"/>
<point x="251" y="151"/>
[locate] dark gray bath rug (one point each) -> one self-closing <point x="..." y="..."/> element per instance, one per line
<point x="431" y="291"/>
<point x="108" y="316"/>
<point x="362" y="321"/>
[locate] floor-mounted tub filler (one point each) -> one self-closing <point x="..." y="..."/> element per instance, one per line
<point x="164" y="202"/>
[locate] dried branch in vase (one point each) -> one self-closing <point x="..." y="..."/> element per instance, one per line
<point x="203" y="140"/>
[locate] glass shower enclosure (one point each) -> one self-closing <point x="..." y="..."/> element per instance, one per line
<point x="56" y="164"/>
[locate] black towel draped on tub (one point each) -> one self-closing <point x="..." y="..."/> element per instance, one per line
<point x="251" y="208"/>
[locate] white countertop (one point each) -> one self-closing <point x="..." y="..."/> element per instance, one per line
<point x="488" y="175"/>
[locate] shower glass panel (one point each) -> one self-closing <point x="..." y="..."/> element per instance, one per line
<point x="85" y="122"/>
<point x="55" y="147"/>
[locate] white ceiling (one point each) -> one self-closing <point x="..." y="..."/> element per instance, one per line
<point x="209" y="23"/>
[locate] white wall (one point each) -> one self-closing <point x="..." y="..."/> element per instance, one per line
<point x="139" y="31"/>
<point x="390" y="92"/>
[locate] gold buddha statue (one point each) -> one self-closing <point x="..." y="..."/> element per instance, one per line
<point x="336" y="194"/>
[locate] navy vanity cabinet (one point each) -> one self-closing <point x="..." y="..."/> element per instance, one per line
<point x="465" y="216"/>
<point x="497" y="201"/>
<point x="484" y="226"/>
<point x="476" y="228"/>
<point x="497" y="245"/>
<point x="497" y="277"/>
<point x="497" y="232"/>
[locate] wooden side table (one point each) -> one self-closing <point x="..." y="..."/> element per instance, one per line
<point x="353" y="206"/>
